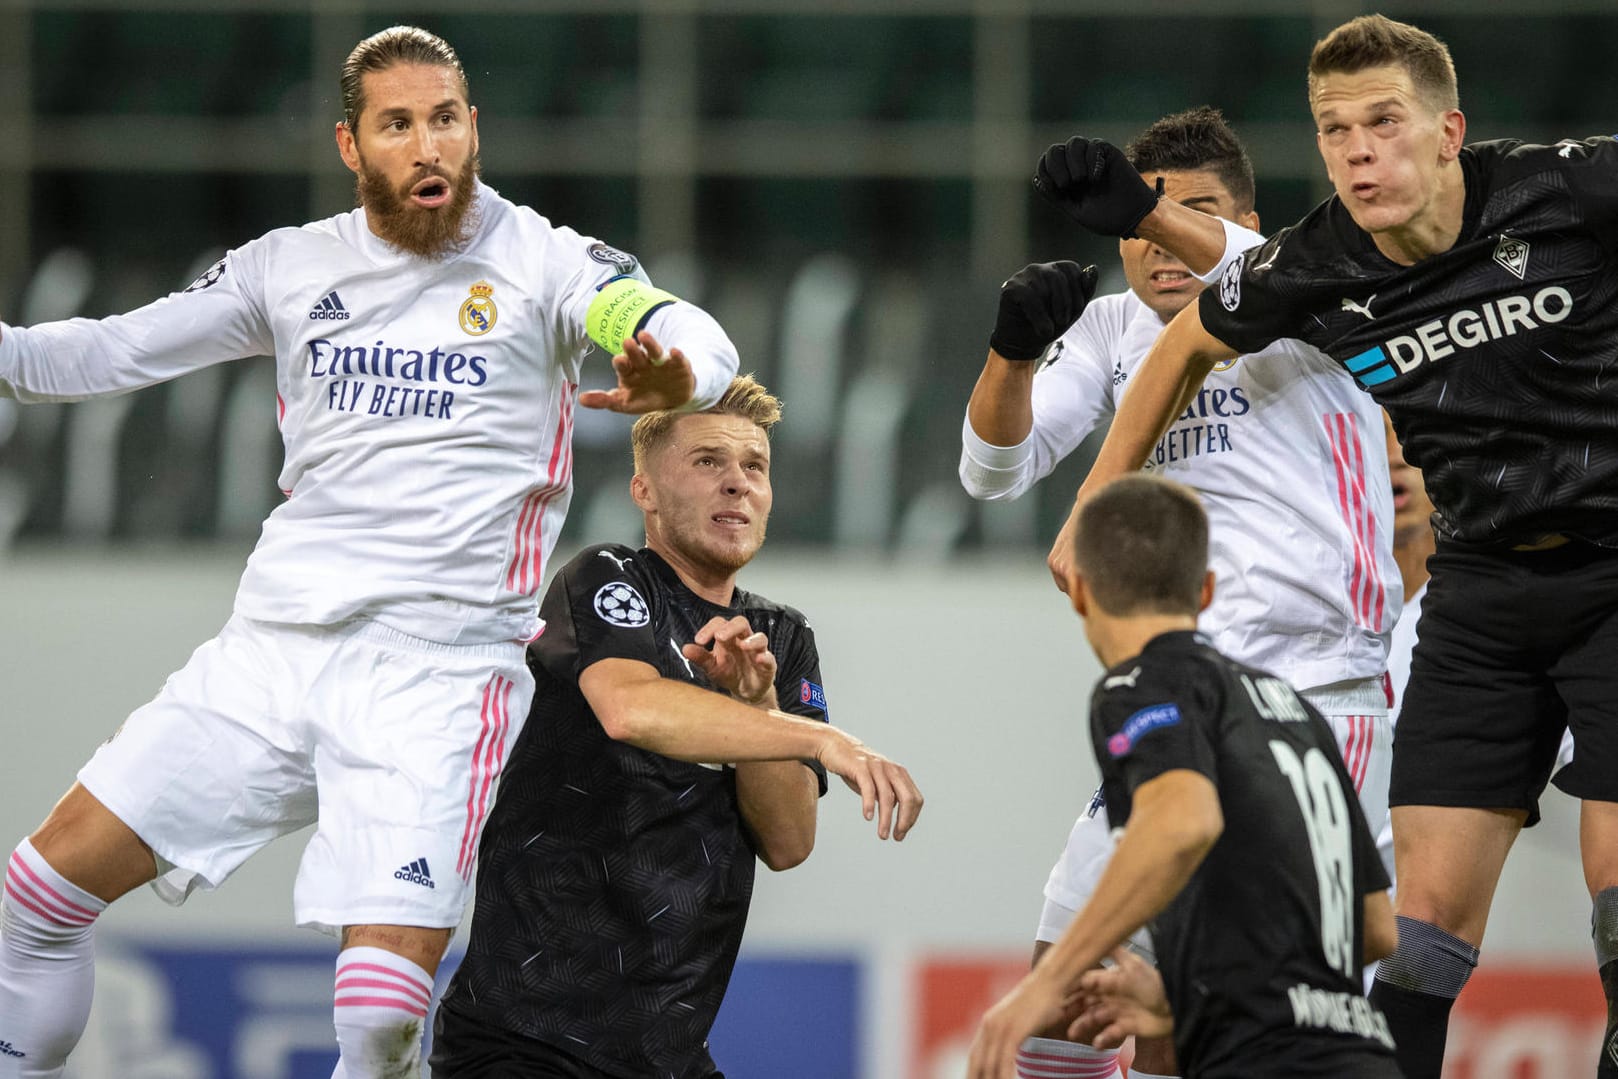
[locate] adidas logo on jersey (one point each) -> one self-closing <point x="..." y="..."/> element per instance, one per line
<point x="415" y="873"/>
<point x="5" y="1048"/>
<point x="331" y="308"/>
<point x="1464" y="329"/>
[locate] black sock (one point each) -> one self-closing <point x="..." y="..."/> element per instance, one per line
<point x="1415" y="988"/>
<point x="1607" y="1063"/>
<point x="1419" y="1023"/>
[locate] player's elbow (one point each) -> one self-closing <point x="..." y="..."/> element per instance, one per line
<point x="623" y="720"/>
<point x="785" y="848"/>
<point x="787" y="855"/>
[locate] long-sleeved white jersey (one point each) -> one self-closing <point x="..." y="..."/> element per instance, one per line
<point x="426" y="407"/>
<point x="1288" y="456"/>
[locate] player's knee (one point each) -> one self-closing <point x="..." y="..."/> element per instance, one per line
<point x="380" y="1010"/>
<point x="1428" y="960"/>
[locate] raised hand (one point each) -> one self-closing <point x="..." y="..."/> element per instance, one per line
<point x="648" y="379"/>
<point x="735" y="659"/>
<point x="1093" y="183"/>
<point x="1037" y="305"/>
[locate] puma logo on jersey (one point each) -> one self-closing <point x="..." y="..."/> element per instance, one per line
<point x="619" y="562"/>
<point x="1362" y="308"/>
<point x="1118" y="681"/>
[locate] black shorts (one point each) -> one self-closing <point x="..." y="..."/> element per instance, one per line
<point x="465" y="1048"/>
<point x="1513" y="647"/>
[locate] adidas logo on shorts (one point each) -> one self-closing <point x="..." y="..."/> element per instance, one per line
<point x="416" y="873"/>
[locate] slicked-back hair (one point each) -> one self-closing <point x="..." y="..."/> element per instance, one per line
<point x="386" y="48"/>
<point x="1378" y="41"/>
<point x="1198" y="139"/>
<point x="1142" y="547"/>
<point x="744" y="397"/>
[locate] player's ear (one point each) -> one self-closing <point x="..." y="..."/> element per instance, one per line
<point x="1249" y="220"/>
<point x="347" y="148"/>
<point x="1454" y="123"/>
<point x="641" y="492"/>
<point x="1207" y="592"/>
<point x="1077" y="594"/>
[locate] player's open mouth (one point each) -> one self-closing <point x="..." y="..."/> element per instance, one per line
<point x="430" y="193"/>
<point x="1167" y="279"/>
<point x="733" y="520"/>
<point x="1366" y="190"/>
<point x="1401" y="495"/>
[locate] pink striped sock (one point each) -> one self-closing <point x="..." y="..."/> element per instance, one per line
<point x="47" y="965"/>
<point x="379" y="1008"/>
<point x="1050" y="1058"/>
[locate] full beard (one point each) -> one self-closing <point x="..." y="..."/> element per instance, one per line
<point x="411" y="228"/>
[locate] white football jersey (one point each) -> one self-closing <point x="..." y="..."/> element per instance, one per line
<point x="426" y="407"/>
<point x="1288" y="456"/>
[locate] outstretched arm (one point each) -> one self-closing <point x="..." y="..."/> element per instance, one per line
<point x="1173" y="824"/>
<point x="1161" y="389"/>
<point x="637" y="705"/>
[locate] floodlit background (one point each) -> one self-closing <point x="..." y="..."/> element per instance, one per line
<point x="843" y="183"/>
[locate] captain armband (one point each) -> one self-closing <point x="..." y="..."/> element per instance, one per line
<point x="620" y="309"/>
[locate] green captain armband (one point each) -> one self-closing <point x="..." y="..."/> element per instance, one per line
<point x="620" y="309"/>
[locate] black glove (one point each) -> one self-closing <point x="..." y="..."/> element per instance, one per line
<point x="1037" y="306"/>
<point x="1094" y="184"/>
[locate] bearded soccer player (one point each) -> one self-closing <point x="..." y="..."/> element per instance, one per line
<point x="1243" y="845"/>
<point x="1473" y="290"/>
<point x="372" y="675"/>
<point x="1282" y="447"/>
<point x="617" y="869"/>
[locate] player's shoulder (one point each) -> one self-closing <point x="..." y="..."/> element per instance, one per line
<point x="609" y="561"/>
<point x="1501" y="162"/>
<point x="561" y="246"/>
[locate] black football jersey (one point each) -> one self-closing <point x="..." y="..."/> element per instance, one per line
<point x="1497" y="359"/>
<point x="1261" y="952"/>
<point x="613" y="882"/>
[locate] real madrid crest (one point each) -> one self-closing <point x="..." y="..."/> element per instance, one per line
<point x="478" y="313"/>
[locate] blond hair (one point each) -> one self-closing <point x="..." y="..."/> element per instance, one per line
<point x="744" y="397"/>
<point x="1378" y="41"/>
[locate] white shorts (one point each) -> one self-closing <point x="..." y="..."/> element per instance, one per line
<point x="1356" y="712"/>
<point x="392" y="743"/>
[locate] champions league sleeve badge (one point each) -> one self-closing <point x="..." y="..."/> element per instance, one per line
<point x="478" y="313"/>
<point x="619" y="604"/>
<point x="210" y="277"/>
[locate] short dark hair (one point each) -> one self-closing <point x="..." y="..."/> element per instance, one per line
<point x="1197" y="139"/>
<point x="384" y="49"/>
<point x="1142" y="547"/>
<point x="1378" y="41"/>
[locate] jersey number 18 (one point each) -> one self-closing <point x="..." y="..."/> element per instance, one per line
<point x="1325" y="815"/>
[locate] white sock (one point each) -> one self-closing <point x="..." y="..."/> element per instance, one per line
<point x="47" y="966"/>
<point x="379" y="1009"/>
<point x="1051" y="1058"/>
